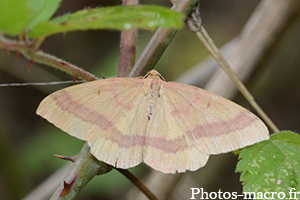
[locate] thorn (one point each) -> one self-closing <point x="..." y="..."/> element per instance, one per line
<point x="74" y="79"/>
<point x="67" y="186"/>
<point x="70" y="158"/>
<point x="17" y="54"/>
<point x="30" y="64"/>
<point x="103" y="76"/>
<point x="64" y="63"/>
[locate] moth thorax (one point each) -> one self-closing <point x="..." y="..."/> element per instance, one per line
<point x="152" y="95"/>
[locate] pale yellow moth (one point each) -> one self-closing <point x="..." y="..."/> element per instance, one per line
<point x="170" y="126"/>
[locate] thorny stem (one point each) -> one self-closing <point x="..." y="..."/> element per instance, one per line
<point x="85" y="167"/>
<point x="38" y="56"/>
<point x="127" y="46"/>
<point x="195" y="25"/>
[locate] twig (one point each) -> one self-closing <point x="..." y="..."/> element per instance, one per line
<point x="138" y="183"/>
<point x="195" y="25"/>
<point x="126" y="62"/>
<point x="38" y="56"/>
<point x="127" y="46"/>
<point x="159" y="41"/>
<point x="85" y="167"/>
<point x="162" y="184"/>
<point x="36" y="84"/>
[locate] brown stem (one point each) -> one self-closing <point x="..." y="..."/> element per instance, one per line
<point x="127" y="46"/>
<point x="160" y="40"/>
<point x="126" y="62"/>
<point x="38" y="56"/>
<point x="138" y="183"/>
<point x="43" y="58"/>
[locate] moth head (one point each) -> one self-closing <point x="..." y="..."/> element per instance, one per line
<point x="154" y="74"/>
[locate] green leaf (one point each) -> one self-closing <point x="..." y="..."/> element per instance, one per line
<point x="18" y="15"/>
<point x="43" y="10"/>
<point x="272" y="166"/>
<point x="115" y="17"/>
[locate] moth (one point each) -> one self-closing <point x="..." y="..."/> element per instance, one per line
<point x="170" y="126"/>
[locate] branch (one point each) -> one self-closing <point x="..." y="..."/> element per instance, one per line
<point x="160" y="40"/>
<point x="127" y="46"/>
<point x="85" y="167"/>
<point x="38" y="56"/>
<point x="126" y="62"/>
<point x="137" y="183"/>
<point x="194" y="24"/>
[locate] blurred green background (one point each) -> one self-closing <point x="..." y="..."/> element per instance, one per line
<point x="27" y="142"/>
